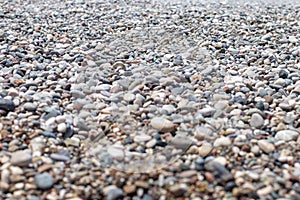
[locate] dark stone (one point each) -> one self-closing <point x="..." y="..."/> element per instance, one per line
<point x="7" y="105"/>
<point x="229" y="186"/>
<point x="260" y="105"/>
<point x="283" y="74"/>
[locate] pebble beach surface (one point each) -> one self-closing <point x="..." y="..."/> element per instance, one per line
<point x="149" y="100"/>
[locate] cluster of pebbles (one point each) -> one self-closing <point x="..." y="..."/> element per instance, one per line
<point x="149" y="100"/>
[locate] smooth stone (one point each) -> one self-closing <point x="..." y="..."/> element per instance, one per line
<point x="21" y="158"/>
<point x="77" y="94"/>
<point x="265" y="146"/>
<point x="219" y="169"/>
<point x="265" y="191"/>
<point x="44" y="181"/>
<point x="116" y="152"/>
<point x="7" y="105"/>
<point x="129" y="97"/>
<point x="115" y="194"/>
<point x="286" y="135"/>
<point x="178" y="189"/>
<point x="72" y="142"/>
<point x="222" y="141"/>
<point x="162" y="124"/>
<point x="30" y="106"/>
<point x="168" y="109"/>
<point x="205" y="149"/>
<point x="142" y="138"/>
<point x="60" y="157"/>
<point x="151" y="143"/>
<point x="256" y="120"/>
<point x="62" y="127"/>
<point x="181" y="142"/>
<point x="207" y="112"/>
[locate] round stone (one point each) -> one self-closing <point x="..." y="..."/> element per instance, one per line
<point x="256" y="121"/>
<point x="44" y="181"/>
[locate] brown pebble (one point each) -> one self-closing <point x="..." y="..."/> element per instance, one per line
<point x="45" y="167"/>
<point x="142" y="184"/>
<point x="209" y="177"/>
<point x="129" y="189"/>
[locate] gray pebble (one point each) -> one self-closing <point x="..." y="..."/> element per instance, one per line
<point x="44" y="181"/>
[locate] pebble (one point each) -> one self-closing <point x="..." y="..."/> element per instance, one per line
<point x="162" y="124"/>
<point x="205" y="149"/>
<point x="21" y="158"/>
<point x="7" y="105"/>
<point x="266" y="146"/>
<point x="286" y="135"/>
<point x="178" y="190"/>
<point x="180" y="142"/>
<point x="30" y="106"/>
<point x="142" y="138"/>
<point x="115" y="194"/>
<point x="222" y="141"/>
<point x="44" y="181"/>
<point x="265" y="191"/>
<point x="256" y="120"/>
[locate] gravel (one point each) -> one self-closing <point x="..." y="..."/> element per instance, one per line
<point x="149" y="99"/>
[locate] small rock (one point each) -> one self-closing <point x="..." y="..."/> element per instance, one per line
<point x="7" y="105"/>
<point x="180" y="142"/>
<point x="222" y="141"/>
<point x="265" y="146"/>
<point x="129" y="189"/>
<point x="62" y="127"/>
<point x="30" y="106"/>
<point x="205" y="149"/>
<point x="178" y="189"/>
<point x="60" y="156"/>
<point x="44" y="181"/>
<point x="129" y="97"/>
<point x="264" y="191"/>
<point x="286" y="135"/>
<point x="116" y="152"/>
<point x="256" y="121"/>
<point x="141" y="138"/>
<point x="114" y="194"/>
<point x="72" y="142"/>
<point x="21" y="158"/>
<point x="162" y="124"/>
<point x="208" y="111"/>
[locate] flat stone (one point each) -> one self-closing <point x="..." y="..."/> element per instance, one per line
<point x="256" y="120"/>
<point x="222" y="141"/>
<point x="129" y="97"/>
<point x="181" y="142"/>
<point x="142" y="138"/>
<point x="60" y="157"/>
<point x="21" y="158"/>
<point x="77" y="94"/>
<point x="286" y="135"/>
<point x="44" y="181"/>
<point x="265" y="146"/>
<point x="162" y="124"/>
